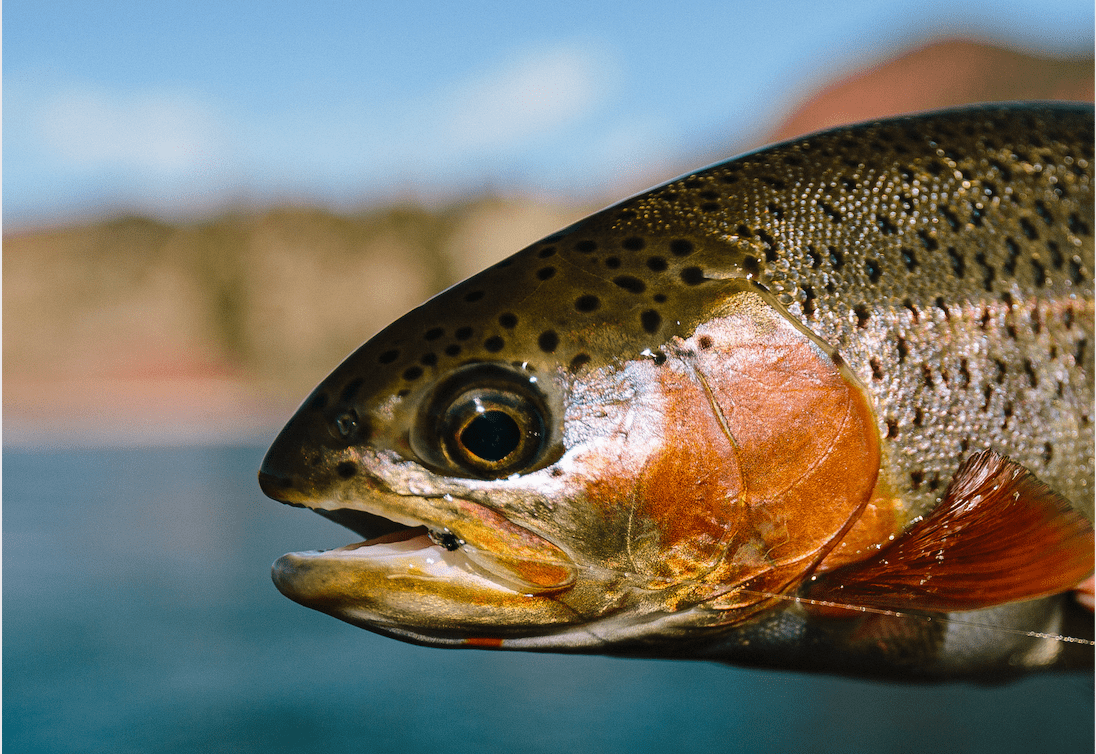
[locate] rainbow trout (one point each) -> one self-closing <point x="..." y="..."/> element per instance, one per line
<point x="826" y="406"/>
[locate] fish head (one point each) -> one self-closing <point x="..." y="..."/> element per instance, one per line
<point x="597" y="443"/>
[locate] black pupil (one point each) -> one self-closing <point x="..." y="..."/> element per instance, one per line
<point x="492" y="436"/>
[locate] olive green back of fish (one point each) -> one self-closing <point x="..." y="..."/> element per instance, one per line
<point x="947" y="258"/>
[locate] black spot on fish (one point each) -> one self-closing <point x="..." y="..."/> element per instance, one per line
<point x="412" y="373"/>
<point x="808" y="301"/>
<point x="346" y="469"/>
<point x="1039" y="273"/>
<point x="770" y="246"/>
<point x="1077" y="226"/>
<point x="909" y="259"/>
<point x="463" y="333"/>
<point x="873" y="269"/>
<point x="862" y="316"/>
<point x="1048" y="452"/>
<point x="656" y="264"/>
<point x="976" y="215"/>
<point x="1076" y="274"/>
<point x="892" y="430"/>
<point x="903" y="349"/>
<point x="494" y="344"/>
<point x="429" y="359"/>
<point x="1013" y="255"/>
<point x="988" y="270"/>
<point x="709" y="207"/>
<point x="659" y="358"/>
<point x="579" y="361"/>
<point x="917" y="478"/>
<point x="886" y="226"/>
<point x="964" y="373"/>
<point x="544" y="273"/>
<point x="452" y="350"/>
<point x="508" y="320"/>
<point x="837" y="261"/>
<point x="744" y="232"/>
<point x="548" y="341"/>
<point x="650" y="320"/>
<point x="692" y="276"/>
<point x="659" y="298"/>
<point x="680" y="247"/>
<point x="546" y="252"/>
<point x="958" y="265"/>
<point x="930" y="243"/>
<point x="1005" y="173"/>
<point x="775" y="211"/>
<point x="908" y="305"/>
<point x="473" y="297"/>
<point x="1056" y="257"/>
<point x="926" y="376"/>
<point x="705" y="342"/>
<point x="388" y="356"/>
<point x="953" y="221"/>
<point x="1002" y="370"/>
<point x="633" y="243"/>
<point x="876" y="369"/>
<point x="350" y="390"/>
<point x="751" y="264"/>
<point x="433" y="333"/>
<point x="918" y="417"/>
<point x="942" y="306"/>
<point x="816" y="258"/>
<point x="1044" y="213"/>
<point x="587" y="303"/>
<point x="934" y="483"/>
<point x="630" y="284"/>
<point x="1029" y="370"/>
<point x="1028" y="228"/>
<point x="319" y="402"/>
<point x="1079" y="354"/>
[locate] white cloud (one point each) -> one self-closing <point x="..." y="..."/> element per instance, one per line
<point x="538" y="93"/>
<point x="163" y="134"/>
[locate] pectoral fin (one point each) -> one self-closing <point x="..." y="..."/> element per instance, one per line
<point x="999" y="535"/>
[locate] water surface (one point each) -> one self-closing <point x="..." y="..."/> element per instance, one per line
<point x="139" y="616"/>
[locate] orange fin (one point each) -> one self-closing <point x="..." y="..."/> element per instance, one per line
<point x="1000" y="535"/>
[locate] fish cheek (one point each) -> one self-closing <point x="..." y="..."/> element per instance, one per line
<point x="800" y="436"/>
<point x="688" y="508"/>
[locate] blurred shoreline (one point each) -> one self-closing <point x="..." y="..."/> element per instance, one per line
<point x="135" y="331"/>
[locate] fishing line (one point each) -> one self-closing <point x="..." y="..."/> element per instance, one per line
<point x="926" y="618"/>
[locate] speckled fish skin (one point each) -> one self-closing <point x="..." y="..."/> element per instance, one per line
<point x="944" y="261"/>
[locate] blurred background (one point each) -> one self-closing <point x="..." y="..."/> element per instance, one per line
<point x="207" y="205"/>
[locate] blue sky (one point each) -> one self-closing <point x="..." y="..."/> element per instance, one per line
<point x="179" y="109"/>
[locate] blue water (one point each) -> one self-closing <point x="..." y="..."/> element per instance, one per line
<point x="139" y="617"/>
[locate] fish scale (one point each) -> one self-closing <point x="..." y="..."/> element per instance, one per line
<point x="855" y="368"/>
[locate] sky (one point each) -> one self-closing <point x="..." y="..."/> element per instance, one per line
<point x="179" y="110"/>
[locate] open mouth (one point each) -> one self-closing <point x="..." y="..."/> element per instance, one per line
<point x="473" y="539"/>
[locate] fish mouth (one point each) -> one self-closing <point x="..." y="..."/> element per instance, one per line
<point x="445" y="565"/>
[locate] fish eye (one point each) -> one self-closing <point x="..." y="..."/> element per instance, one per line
<point x="486" y="422"/>
<point x="491" y="432"/>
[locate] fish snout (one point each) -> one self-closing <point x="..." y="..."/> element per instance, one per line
<point x="277" y="487"/>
